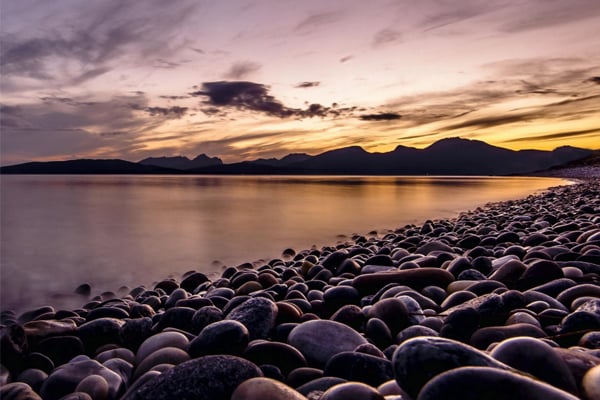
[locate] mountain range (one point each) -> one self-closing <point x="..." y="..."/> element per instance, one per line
<point x="452" y="156"/>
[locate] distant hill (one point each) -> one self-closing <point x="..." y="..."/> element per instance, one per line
<point x="453" y="156"/>
<point x="182" y="163"/>
<point x="85" y="167"/>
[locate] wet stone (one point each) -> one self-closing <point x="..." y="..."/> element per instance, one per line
<point x="257" y="314"/>
<point x="221" y="337"/>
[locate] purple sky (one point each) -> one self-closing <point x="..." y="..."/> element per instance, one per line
<point x="247" y="79"/>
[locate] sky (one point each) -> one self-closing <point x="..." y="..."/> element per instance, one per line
<point x="248" y="79"/>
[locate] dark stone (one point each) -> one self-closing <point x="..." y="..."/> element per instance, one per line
<point x="392" y="311"/>
<point x="168" y="285"/>
<point x="38" y="361"/>
<point x="460" y="324"/>
<point x="204" y="378"/>
<point x="350" y="315"/>
<point x="418" y="360"/>
<point x="537" y="358"/>
<point x="133" y="333"/>
<point x="99" y="332"/>
<point x="319" y="385"/>
<point x="480" y="382"/>
<point x="483" y="337"/>
<point x="378" y="332"/>
<point x="351" y="390"/>
<point x="359" y="367"/>
<point x="282" y="355"/>
<point x="300" y="376"/>
<point x="538" y="273"/>
<point x="414" y="278"/>
<point x="106" y="312"/>
<point x="221" y="337"/>
<point x="18" y="391"/>
<point x="192" y="281"/>
<point x="60" y="349"/>
<point x="414" y="331"/>
<point x="176" y="317"/>
<point x="257" y="314"/>
<point x="206" y="316"/>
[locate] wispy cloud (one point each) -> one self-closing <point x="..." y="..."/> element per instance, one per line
<point x="386" y="36"/>
<point x="558" y="135"/>
<point x="305" y="85"/>
<point x="242" y="69"/>
<point x="546" y="14"/>
<point x="317" y="20"/>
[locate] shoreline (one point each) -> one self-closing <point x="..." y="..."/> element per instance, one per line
<point x="528" y="268"/>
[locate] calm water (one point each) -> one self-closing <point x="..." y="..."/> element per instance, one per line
<point x="60" y="231"/>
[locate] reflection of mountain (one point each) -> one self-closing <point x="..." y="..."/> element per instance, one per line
<point x="453" y="156"/>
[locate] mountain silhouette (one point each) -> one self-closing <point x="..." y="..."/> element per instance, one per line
<point x="182" y="163"/>
<point x="452" y="156"/>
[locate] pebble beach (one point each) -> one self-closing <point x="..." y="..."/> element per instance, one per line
<point x="501" y="302"/>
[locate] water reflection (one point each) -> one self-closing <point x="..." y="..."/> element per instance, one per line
<point x="60" y="231"/>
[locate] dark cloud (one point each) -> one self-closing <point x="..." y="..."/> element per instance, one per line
<point x="252" y="96"/>
<point x="66" y="100"/>
<point x="174" y="97"/>
<point x="386" y="36"/>
<point x="242" y="69"/>
<point x="384" y="116"/>
<point x="314" y="21"/>
<point x="595" y="79"/>
<point x="532" y="88"/>
<point x="559" y="135"/>
<point x="164" y="64"/>
<point x="346" y="58"/>
<point x="169" y="112"/>
<point x="303" y="85"/>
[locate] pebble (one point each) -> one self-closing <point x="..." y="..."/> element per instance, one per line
<point x="359" y="367"/>
<point x="257" y="314"/>
<point x="488" y="383"/>
<point x="159" y="341"/>
<point x="319" y="340"/>
<point x="351" y="390"/>
<point x="418" y="360"/>
<point x="221" y="337"/>
<point x="205" y="378"/>
<point x="265" y="388"/>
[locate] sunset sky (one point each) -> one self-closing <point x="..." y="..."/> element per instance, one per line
<point x="244" y="79"/>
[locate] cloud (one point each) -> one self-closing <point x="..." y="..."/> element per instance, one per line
<point x="452" y="12"/>
<point x="169" y="112"/>
<point x="90" y="41"/>
<point x="386" y="36"/>
<point x="547" y="14"/>
<point x="384" y="116"/>
<point x="559" y="135"/>
<point x="595" y="79"/>
<point x="346" y="58"/>
<point x="317" y="20"/>
<point x="303" y="85"/>
<point x="491" y="122"/>
<point x="242" y="69"/>
<point x="174" y="97"/>
<point x="245" y="95"/>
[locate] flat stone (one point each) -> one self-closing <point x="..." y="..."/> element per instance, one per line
<point x="351" y="390"/>
<point x="359" y="367"/>
<point x="414" y="278"/>
<point x="483" y="337"/>
<point x="488" y="383"/>
<point x="159" y="341"/>
<point x="319" y="340"/>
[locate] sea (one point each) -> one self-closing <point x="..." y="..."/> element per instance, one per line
<point x="116" y="232"/>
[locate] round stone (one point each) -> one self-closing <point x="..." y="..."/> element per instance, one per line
<point x="258" y="314"/>
<point x="359" y="367"/>
<point x="64" y="379"/>
<point x="319" y="340"/>
<point x="18" y="391"/>
<point x="94" y="385"/>
<point x="281" y="355"/>
<point x="483" y="337"/>
<point x="165" y="355"/>
<point x="351" y="390"/>
<point x="205" y="378"/>
<point x="418" y="360"/>
<point x="159" y="341"/>
<point x="265" y="388"/>
<point x="221" y="337"/>
<point x="591" y="383"/>
<point x="488" y="383"/>
<point x="537" y="358"/>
